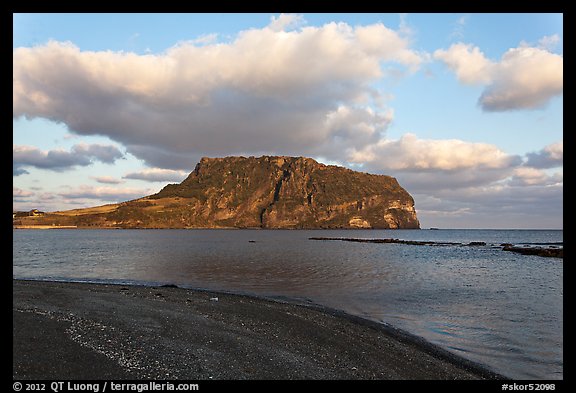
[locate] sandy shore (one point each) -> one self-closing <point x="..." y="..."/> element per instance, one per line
<point x="95" y="331"/>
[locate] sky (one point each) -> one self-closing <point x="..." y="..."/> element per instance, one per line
<point x="464" y="110"/>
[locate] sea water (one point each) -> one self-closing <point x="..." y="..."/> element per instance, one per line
<point x="498" y="308"/>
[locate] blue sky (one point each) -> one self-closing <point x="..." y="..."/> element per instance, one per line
<point x="465" y="110"/>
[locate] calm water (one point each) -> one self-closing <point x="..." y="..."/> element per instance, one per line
<point x="498" y="308"/>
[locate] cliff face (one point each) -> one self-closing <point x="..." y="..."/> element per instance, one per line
<point x="290" y="192"/>
<point x="264" y="192"/>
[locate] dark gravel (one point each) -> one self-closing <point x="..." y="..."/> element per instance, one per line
<point x="96" y="331"/>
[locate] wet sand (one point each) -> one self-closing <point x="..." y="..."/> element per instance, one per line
<point x="97" y="331"/>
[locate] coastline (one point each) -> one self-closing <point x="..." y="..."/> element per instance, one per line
<point x="102" y="331"/>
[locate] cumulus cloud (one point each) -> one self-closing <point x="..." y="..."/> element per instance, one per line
<point x="468" y="63"/>
<point x="550" y="156"/>
<point x="158" y="175"/>
<point x="410" y="153"/>
<point x="528" y="176"/>
<point x="61" y="160"/>
<point x="525" y="77"/>
<point x="279" y="89"/>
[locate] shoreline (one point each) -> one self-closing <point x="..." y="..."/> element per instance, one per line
<point x="101" y="331"/>
<point x="202" y="228"/>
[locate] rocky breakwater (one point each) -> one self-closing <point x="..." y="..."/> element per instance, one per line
<point x="555" y="251"/>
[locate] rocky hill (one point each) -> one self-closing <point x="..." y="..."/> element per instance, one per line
<point x="263" y="192"/>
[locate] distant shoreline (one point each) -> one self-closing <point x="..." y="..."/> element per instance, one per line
<point x="45" y="227"/>
<point x="307" y="229"/>
<point x="81" y="330"/>
<point x="201" y="228"/>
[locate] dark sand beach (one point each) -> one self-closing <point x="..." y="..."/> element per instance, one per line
<point x="95" y="331"/>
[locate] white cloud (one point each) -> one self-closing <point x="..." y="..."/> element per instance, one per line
<point x="524" y="78"/>
<point x="267" y="90"/>
<point x="409" y="153"/>
<point x="158" y="175"/>
<point x="528" y="176"/>
<point x="468" y="63"/>
<point x="351" y="128"/>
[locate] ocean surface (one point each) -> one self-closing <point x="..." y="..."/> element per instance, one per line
<point x="498" y="308"/>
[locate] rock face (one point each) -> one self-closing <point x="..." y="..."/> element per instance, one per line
<point x="290" y="192"/>
<point x="266" y="192"/>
